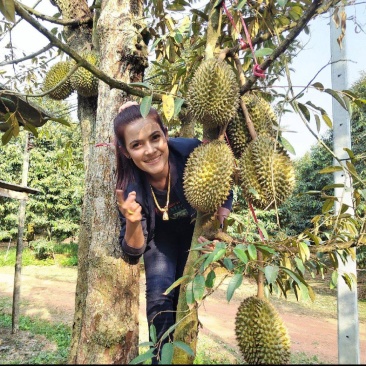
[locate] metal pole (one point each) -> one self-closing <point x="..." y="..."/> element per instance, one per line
<point x="347" y="309"/>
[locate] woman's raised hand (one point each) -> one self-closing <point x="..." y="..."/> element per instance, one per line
<point x="129" y="208"/>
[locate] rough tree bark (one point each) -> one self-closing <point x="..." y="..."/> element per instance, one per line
<point x="105" y="329"/>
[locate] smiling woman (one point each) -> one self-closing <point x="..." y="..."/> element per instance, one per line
<point x="156" y="219"/>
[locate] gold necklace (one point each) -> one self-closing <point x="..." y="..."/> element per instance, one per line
<point x="165" y="209"/>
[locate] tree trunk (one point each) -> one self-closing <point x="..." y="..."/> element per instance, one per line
<point x="106" y="327"/>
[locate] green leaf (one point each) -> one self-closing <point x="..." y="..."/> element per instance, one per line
<point x="241" y="4"/>
<point x="210" y="279"/>
<point x="183" y="346"/>
<point x="328" y="205"/>
<point x="300" y="265"/>
<point x="5" y="138"/>
<point x="228" y="264"/>
<point x="252" y="250"/>
<point x="305" y="111"/>
<point x="175" y="284"/>
<point x="234" y="283"/>
<point x="167" y="354"/>
<point x="271" y="273"/>
<point x="318" y="124"/>
<point x="240" y="253"/>
<point x="145" y="105"/>
<point x="29" y="127"/>
<point x="336" y="96"/>
<point x="282" y="3"/>
<point x="7" y="8"/>
<point x="198" y="287"/>
<point x="143" y="357"/>
<point x="318" y="86"/>
<point x="331" y="169"/>
<point x="286" y="144"/>
<point x="143" y="85"/>
<point x="263" y="52"/>
<point x="327" y="120"/>
<point x="265" y="248"/>
<point x="62" y="121"/>
<point x="304" y="251"/>
<point x="178" y="102"/>
<point x="152" y="332"/>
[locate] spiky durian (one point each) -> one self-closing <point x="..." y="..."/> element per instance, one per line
<point x="261" y="334"/>
<point x="55" y="75"/>
<point x="82" y="80"/>
<point x="213" y="93"/>
<point x="263" y="118"/>
<point x="207" y="177"/>
<point x="266" y="173"/>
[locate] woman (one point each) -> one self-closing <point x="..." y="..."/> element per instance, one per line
<point x="156" y="219"/>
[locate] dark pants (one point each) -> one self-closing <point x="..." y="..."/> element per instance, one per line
<point x="164" y="260"/>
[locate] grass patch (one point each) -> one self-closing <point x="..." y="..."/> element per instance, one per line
<point x="64" y="255"/>
<point x="59" y="334"/>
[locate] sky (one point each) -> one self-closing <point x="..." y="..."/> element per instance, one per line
<point x="314" y="57"/>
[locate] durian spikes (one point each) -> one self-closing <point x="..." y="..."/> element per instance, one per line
<point x="207" y="177"/>
<point x="261" y="334"/>
<point x="213" y="94"/>
<point x="266" y="173"/>
<point x="54" y="76"/>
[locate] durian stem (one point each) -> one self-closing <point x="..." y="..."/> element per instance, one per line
<point x="239" y="67"/>
<point x="260" y="277"/>
<point x="248" y="120"/>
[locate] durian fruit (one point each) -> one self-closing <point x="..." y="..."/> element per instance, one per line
<point x="267" y="175"/>
<point x="261" y="114"/>
<point x="207" y="177"/>
<point x="82" y="80"/>
<point x="56" y="74"/>
<point x="213" y="93"/>
<point x="261" y="334"/>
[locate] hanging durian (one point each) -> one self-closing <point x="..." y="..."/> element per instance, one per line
<point x="262" y="116"/>
<point x="207" y="177"/>
<point x="82" y="80"/>
<point x="261" y="334"/>
<point x="266" y="173"/>
<point x="213" y="93"/>
<point x="55" y="75"/>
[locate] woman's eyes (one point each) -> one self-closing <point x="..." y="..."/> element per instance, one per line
<point x="156" y="137"/>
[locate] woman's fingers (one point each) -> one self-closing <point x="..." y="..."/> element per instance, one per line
<point x="128" y="207"/>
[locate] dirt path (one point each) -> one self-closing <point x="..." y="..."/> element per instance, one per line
<point x="49" y="294"/>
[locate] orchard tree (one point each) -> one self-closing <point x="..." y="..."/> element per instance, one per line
<point x="254" y="38"/>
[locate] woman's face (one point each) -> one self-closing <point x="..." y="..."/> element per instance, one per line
<point x="147" y="145"/>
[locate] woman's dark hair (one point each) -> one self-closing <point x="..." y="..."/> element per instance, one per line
<point x="125" y="166"/>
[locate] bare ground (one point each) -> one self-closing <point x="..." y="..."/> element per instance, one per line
<point x="48" y="293"/>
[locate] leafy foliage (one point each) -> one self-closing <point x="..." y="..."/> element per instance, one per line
<point x="56" y="169"/>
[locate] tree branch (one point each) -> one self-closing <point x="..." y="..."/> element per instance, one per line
<point x="44" y="49"/>
<point x="315" y="8"/>
<point x="113" y="83"/>
<point x="55" y="20"/>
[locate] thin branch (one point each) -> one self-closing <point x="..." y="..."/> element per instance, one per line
<point x="113" y="83"/>
<point x="44" y="49"/>
<point x="58" y="21"/>
<point x="313" y="9"/>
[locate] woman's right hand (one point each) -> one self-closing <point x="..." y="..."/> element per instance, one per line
<point x="129" y="208"/>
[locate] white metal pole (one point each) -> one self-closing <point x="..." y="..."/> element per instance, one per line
<point x="347" y="308"/>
